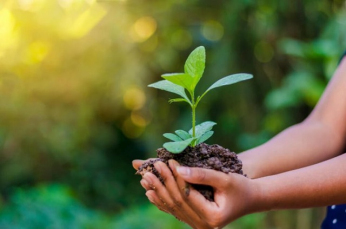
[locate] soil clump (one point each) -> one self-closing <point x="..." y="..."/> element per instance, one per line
<point x="204" y="156"/>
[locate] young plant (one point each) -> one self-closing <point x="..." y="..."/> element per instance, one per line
<point x="179" y="82"/>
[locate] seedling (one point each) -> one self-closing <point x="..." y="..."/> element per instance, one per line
<point x="177" y="83"/>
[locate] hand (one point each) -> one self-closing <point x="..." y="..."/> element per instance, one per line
<point x="137" y="163"/>
<point x="235" y="195"/>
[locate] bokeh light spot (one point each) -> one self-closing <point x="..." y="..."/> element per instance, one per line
<point x="138" y="120"/>
<point x="212" y="30"/>
<point x="134" y="98"/>
<point x="83" y="23"/>
<point x="263" y="52"/>
<point x="7" y="34"/>
<point x="131" y="130"/>
<point x="143" y="28"/>
<point x="37" y="51"/>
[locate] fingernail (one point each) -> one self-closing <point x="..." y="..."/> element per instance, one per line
<point x="158" y="167"/>
<point x="147" y="178"/>
<point x="184" y="171"/>
<point x="150" y="198"/>
<point x="173" y="164"/>
<point x="144" y="183"/>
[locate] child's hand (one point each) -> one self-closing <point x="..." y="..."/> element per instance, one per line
<point x="235" y="195"/>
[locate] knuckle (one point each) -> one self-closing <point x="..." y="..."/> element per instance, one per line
<point x="163" y="178"/>
<point x="172" y="209"/>
<point x="200" y="175"/>
<point x="178" y="202"/>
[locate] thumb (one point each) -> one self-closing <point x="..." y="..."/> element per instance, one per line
<point x="202" y="176"/>
<point x="137" y="163"/>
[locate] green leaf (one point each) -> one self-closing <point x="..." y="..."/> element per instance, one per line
<point x="177" y="100"/>
<point x="171" y="87"/>
<point x="177" y="147"/>
<point x="205" y="137"/>
<point x="183" y="134"/>
<point x="181" y="79"/>
<point x="230" y="80"/>
<point x="172" y="137"/>
<point x="195" y="64"/>
<point x="194" y="142"/>
<point x="203" y="128"/>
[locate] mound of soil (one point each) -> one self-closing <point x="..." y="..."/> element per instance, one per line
<point x="205" y="156"/>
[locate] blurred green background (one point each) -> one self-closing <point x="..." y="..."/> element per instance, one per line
<point x="75" y="109"/>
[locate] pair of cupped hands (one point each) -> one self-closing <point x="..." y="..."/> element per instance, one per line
<point x="234" y="195"/>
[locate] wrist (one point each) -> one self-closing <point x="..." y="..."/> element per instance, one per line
<point x="261" y="197"/>
<point x="249" y="168"/>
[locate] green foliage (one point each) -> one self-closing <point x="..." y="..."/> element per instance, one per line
<point x="205" y="137"/>
<point x="178" y="146"/>
<point x="183" y="134"/>
<point x="137" y="218"/>
<point x="54" y="206"/>
<point x="74" y="106"/>
<point x="202" y="128"/>
<point x="172" y="137"/>
<point x="176" y="83"/>
<point x="230" y="80"/>
<point x="49" y="206"/>
<point x="171" y="87"/>
<point x="147" y="216"/>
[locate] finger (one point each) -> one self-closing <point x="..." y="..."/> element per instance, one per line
<point x="172" y="191"/>
<point x="183" y="187"/>
<point x="209" y="177"/>
<point x="160" y="190"/>
<point x="154" y="199"/>
<point x="159" y="196"/>
<point x="172" y="196"/>
<point x="137" y="163"/>
<point x="145" y="184"/>
<point x="157" y="201"/>
<point x="195" y="199"/>
<point x="203" y="207"/>
<point x="170" y="203"/>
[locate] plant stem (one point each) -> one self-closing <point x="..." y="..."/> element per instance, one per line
<point x="193" y="121"/>
<point x="193" y="116"/>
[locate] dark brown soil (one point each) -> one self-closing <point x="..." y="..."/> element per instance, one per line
<point x="205" y="156"/>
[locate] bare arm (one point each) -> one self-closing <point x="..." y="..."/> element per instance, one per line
<point x="298" y="150"/>
<point x="320" y="137"/>
<point x="318" y="185"/>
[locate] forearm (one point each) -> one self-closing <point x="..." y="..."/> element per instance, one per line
<point x="317" y="185"/>
<point x="320" y="137"/>
<point x="298" y="146"/>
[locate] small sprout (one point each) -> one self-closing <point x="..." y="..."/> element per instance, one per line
<point x="177" y="83"/>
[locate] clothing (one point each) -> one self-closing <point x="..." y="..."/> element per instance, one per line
<point x="336" y="214"/>
<point x="336" y="217"/>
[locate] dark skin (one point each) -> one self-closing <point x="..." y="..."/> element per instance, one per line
<point x="301" y="167"/>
